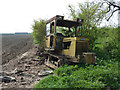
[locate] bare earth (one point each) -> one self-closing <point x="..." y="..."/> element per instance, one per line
<point x="13" y="45"/>
<point x="22" y="66"/>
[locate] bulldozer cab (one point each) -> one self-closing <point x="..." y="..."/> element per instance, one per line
<point x="68" y="29"/>
<point x="58" y="21"/>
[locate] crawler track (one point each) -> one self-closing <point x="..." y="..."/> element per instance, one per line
<point x="53" y="60"/>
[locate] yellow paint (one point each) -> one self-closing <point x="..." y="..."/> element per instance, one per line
<point x="48" y="41"/>
<point x="72" y="49"/>
<point x="90" y="58"/>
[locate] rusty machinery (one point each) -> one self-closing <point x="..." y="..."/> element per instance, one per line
<point x="71" y="48"/>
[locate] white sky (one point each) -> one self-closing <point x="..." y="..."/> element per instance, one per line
<point x="18" y="15"/>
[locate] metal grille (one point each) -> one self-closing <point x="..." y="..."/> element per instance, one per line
<point x="81" y="47"/>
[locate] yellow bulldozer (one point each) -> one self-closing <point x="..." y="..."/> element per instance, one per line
<point x="64" y="48"/>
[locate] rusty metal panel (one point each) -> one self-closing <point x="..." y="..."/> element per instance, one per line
<point x="53" y="18"/>
<point x="78" y="19"/>
<point x="67" y="23"/>
<point x="89" y="58"/>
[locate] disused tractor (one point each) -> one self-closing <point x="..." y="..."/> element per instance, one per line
<point x="64" y="48"/>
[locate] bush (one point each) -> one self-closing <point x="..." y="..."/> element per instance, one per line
<point x="39" y="31"/>
<point x="66" y="70"/>
<point x="106" y="44"/>
<point x="48" y="82"/>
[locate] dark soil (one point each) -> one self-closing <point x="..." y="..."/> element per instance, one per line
<point x="14" y="45"/>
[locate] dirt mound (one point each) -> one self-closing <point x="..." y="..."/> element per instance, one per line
<point x="14" y="45"/>
<point x="24" y="69"/>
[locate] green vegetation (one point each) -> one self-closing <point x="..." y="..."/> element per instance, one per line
<point x="106" y="43"/>
<point x="92" y="15"/>
<point x="103" y="41"/>
<point x="85" y="76"/>
<point x="39" y="32"/>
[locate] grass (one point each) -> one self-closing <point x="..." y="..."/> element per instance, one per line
<point x="104" y="74"/>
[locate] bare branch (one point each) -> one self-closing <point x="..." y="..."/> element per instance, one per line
<point x="112" y="14"/>
<point x="110" y="4"/>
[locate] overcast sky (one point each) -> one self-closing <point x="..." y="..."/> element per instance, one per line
<point x="18" y="15"/>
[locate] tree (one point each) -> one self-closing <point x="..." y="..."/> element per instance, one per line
<point x="92" y="15"/>
<point x="112" y="7"/>
<point x="39" y="31"/>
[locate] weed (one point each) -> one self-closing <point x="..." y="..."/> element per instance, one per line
<point x="89" y="76"/>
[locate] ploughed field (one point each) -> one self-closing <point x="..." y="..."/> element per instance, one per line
<point x="14" y="45"/>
